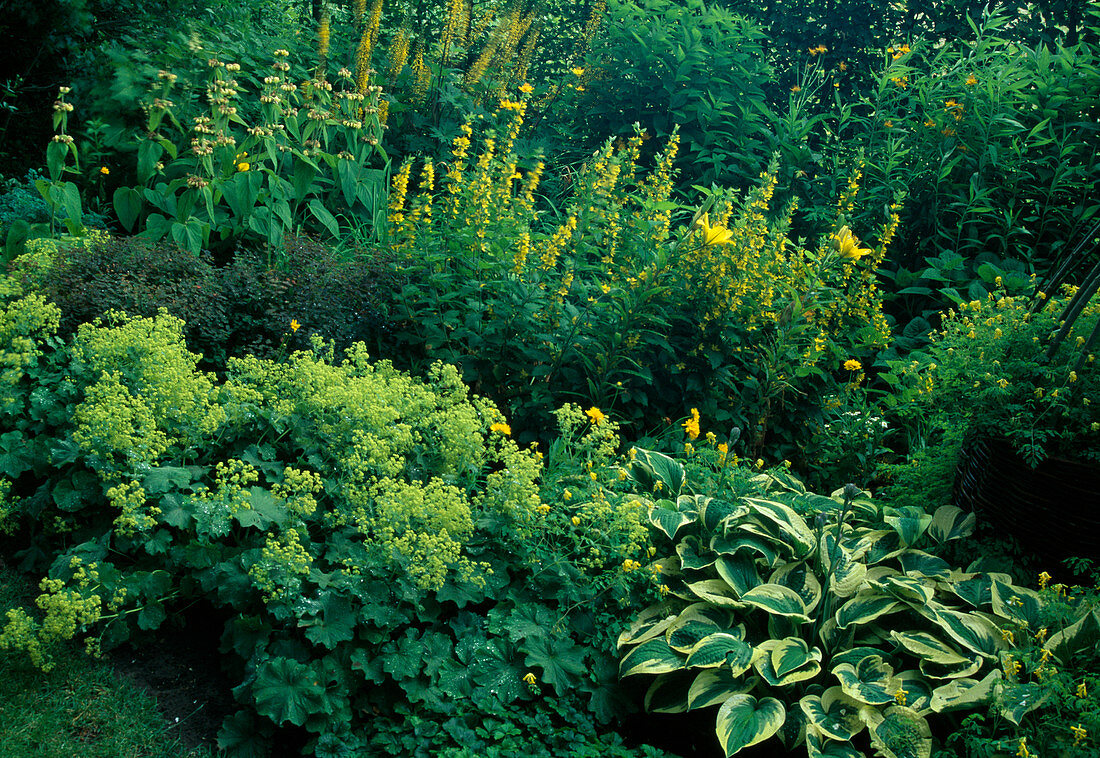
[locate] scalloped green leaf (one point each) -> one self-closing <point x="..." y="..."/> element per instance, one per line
<point x="744" y="721"/>
<point x="286" y="690"/>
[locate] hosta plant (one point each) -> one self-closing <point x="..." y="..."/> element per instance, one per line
<point x="817" y="620"/>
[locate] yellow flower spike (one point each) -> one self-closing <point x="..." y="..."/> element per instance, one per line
<point x="1079" y="734"/>
<point x="576" y="520"/>
<point x="691" y="426"/>
<point x="1022" y="751"/>
<point x="530" y="678"/>
<point x="1082" y="690"/>
<point x="294" y="325"/>
<point x="1044" y="579"/>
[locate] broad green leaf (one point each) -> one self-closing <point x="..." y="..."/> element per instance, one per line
<point x="799" y="577"/>
<point x="911" y="589"/>
<point x="735" y="543"/>
<point x="971" y="631"/>
<point x="918" y="692"/>
<point x="739" y="571"/>
<point x="777" y="600"/>
<point x="921" y="563"/>
<point x="1016" y="603"/>
<point x="683" y="636"/>
<point x="127" y="202"/>
<point x="853" y="655"/>
<point x="977" y="590"/>
<point x="964" y="693"/>
<point x="715" y="686"/>
<point x="928" y="647"/>
<point x="899" y="732"/>
<point x="668" y="520"/>
<point x="650" y="468"/>
<point x="880" y="544"/>
<point x="669" y="692"/>
<point x="864" y="608"/>
<point x="335" y="624"/>
<point x="693" y="555"/>
<point x="910" y="522"/>
<point x="950" y="522"/>
<point x="716" y="591"/>
<point x="322" y="214"/>
<point x="286" y="690"/>
<point x="1017" y="699"/>
<point x="833" y="713"/>
<point x="792" y="527"/>
<point x="713" y="510"/>
<point x="650" y="623"/>
<point x="786" y="661"/>
<point x="1080" y="636"/>
<point x="743" y="721"/>
<point x="870" y="681"/>
<point x="651" y="657"/>
<point x="820" y="746"/>
<point x="166" y="478"/>
<point x="956" y="670"/>
<point x="721" y="649"/>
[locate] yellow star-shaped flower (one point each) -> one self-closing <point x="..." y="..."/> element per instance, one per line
<point x="847" y="245"/>
<point x="714" y="235"/>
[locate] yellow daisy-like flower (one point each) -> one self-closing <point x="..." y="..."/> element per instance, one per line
<point x="104" y="170"/>
<point x="847" y="245"/>
<point x="526" y="88"/>
<point x="714" y="235"/>
<point x="595" y="415"/>
<point x="294" y="325"/>
<point x="243" y="166"/>
<point x="502" y="428"/>
<point x="852" y="364"/>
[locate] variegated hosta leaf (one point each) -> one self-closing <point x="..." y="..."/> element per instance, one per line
<point x="800" y="578"/>
<point x="1017" y="603"/>
<point x="950" y="522"/>
<point x="910" y="522"/>
<point x="669" y="521"/>
<point x="792" y="527"/>
<point x="777" y="600"/>
<point x="715" y="591"/>
<point x="977" y="591"/>
<point x="669" y="692"/>
<point x="651" y="657"/>
<point x="864" y="608"/>
<point x="743" y="721"/>
<point x="965" y="668"/>
<point x="964" y="693"/>
<point x="1082" y="634"/>
<point x="713" y="511"/>
<point x="971" y="631"/>
<point x="793" y="732"/>
<point x="786" y="661"/>
<point x="911" y="589"/>
<point x="684" y="635"/>
<point x="928" y="647"/>
<point x="820" y="746"/>
<point x="650" y="623"/>
<point x="714" y="686"/>
<point x="870" y="681"/>
<point x="650" y="467"/>
<point x="918" y="562"/>
<point x="1016" y="700"/>
<point x="721" y="649"/>
<point x="918" y="692"/>
<point x="846" y="572"/>
<point x="880" y="545"/>
<point x="853" y="655"/>
<point x="899" y="732"/>
<point x="833" y="713"/>
<point x="739" y="571"/>
<point x="693" y="555"/>
<point x="760" y="548"/>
